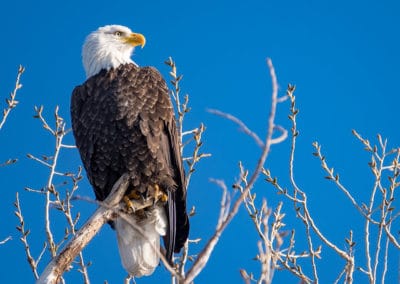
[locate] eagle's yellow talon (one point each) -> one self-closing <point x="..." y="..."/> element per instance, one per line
<point x="134" y="194"/>
<point x="157" y="191"/>
<point x="128" y="202"/>
<point x="164" y="197"/>
<point x="159" y="194"/>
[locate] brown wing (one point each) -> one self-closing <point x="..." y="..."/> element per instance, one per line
<point x="123" y="121"/>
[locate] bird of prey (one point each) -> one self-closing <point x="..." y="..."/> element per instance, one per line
<point x="123" y="122"/>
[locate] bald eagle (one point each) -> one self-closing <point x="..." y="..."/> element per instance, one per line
<point x="123" y="122"/>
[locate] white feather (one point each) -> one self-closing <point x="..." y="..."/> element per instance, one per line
<point x="139" y="250"/>
<point x="104" y="50"/>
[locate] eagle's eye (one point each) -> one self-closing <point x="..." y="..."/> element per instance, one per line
<point x="118" y="33"/>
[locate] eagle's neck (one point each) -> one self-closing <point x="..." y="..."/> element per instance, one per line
<point x="102" y="55"/>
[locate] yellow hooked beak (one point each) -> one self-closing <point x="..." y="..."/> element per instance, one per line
<point x="135" y="39"/>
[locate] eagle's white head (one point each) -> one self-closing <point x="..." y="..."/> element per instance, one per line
<point x="108" y="47"/>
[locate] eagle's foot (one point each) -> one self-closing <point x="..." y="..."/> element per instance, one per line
<point x="128" y="203"/>
<point x="132" y="197"/>
<point x="159" y="195"/>
<point x="134" y="194"/>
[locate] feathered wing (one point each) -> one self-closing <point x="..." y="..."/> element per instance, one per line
<point x="123" y="122"/>
<point x="178" y="224"/>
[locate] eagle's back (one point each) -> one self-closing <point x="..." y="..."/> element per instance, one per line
<point x="123" y="121"/>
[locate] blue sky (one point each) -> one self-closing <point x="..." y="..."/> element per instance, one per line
<point x="343" y="56"/>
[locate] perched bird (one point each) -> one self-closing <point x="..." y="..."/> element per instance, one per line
<point x="123" y="122"/>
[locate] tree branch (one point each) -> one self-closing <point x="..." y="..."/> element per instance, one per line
<point x="12" y="102"/>
<point x="105" y="213"/>
<point x="205" y="254"/>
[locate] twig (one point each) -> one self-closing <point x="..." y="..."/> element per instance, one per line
<point x="102" y="215"/>
<point x="24" y="238"/>
<point x="300" y="204"/>
<point x="58" y="133"/>
<point x="242" y="125"/>
<point x="66" y="208"/>
<point x="8" y="162"/>
<point x="182" y="108"/>
<point x="246" y="130"/>
<point x="385" y="260"/>
<point x="270" y="252"/>
<point x="203" y="257"/>
<point x="2" y="242"/>
<point x="196" y="155"/>
<point x="12" y="102"/>
<point x="225" y="201"/>
<point x="306" y="217"/>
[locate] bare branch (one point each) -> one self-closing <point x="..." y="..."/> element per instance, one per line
<point x="2" y="242"/>
<point x="203" y="257"/>
<point x="102" y="215"/>
<point x="196" y="155"/>
<point x="8" y="162"/>
<point x="24" y="237"/>
<point x="242" y="125"/>
<point x="12" y="102"/>
<point x="305" y="216"/>
<point x="181" y="108"/>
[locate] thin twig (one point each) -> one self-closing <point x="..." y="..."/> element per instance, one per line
<point x="2" y="242"/>
<point x="8" y="162"/>
<point x="306" y="218"/>
<point x="203" y="257"/>
<point x="12" y="102"/>
<point x="242" y="125"/>
<point x="24" y="238"/>
<point x="102" y="215"/>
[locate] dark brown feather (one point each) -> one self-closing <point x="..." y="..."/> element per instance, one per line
<point x="123" y="121"/>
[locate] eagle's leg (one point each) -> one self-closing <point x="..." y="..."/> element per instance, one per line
<point x="159" y="194"/>
<point x="133" y="195"/>
<point x="128" y="202"/>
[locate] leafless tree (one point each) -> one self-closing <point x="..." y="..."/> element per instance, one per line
<point x="277" y="249"/>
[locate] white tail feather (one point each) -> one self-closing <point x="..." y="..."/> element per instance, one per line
<point x="139" y="251"/>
